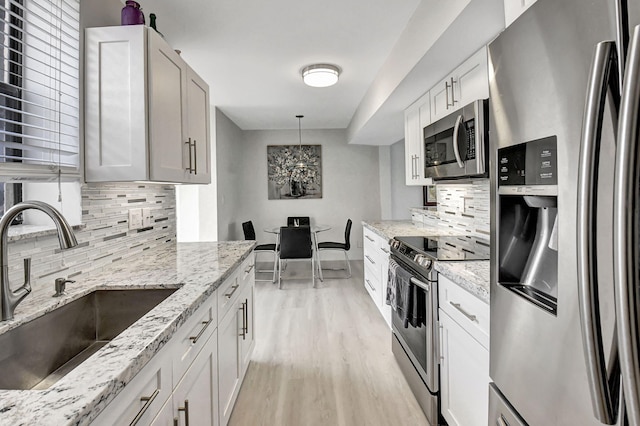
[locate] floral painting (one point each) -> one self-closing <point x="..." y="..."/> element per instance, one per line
<point x="293" y="172"/>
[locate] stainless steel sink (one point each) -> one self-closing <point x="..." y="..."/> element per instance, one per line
<point x="40" y="352"/>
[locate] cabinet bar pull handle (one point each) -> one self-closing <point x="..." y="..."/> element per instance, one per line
<point x="246" y="316"/>
<point x="446" y="93"/>
<point x="370" y="259"/>
<point x="370" y="286"/>
<point x="195" y="338"/>
<point x="384" y="250"/>
<point x="369" y="238"/>
<point x="453" y="96"/>
<point x="190" y="168"/>
<point x="465" y="313"/>
<point x="195" y="157"/>
<point x="148" y="400"/>
<point x="175" y="421"/>
<point x="246" y="271"/>
<point x="501" y="421"/>
<point x="242" y="332"/>
<point x="186" y="411"/>
<point x="234" y="287"/>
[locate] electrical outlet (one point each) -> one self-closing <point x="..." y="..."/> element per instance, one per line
<point x="146" y="217"/>
<point x="135" y="218"/>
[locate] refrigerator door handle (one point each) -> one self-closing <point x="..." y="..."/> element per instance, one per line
<point x="625" y="232"/>
<point x="603" y="80"/>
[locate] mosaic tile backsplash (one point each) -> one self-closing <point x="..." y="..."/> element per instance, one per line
<point x="106" y="237"/>
<point x="463" y="208"/>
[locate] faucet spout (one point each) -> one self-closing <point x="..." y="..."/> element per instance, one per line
<point x="9" y="299"/>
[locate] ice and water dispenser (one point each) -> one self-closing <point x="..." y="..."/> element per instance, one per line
<point x="527" y="221"/>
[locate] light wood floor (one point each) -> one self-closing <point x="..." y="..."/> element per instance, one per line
<point x="322" y="357"/>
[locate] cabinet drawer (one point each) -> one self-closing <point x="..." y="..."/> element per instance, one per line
<point x="228" y="293"/>
<point x="372" y="282"/>
<point x="247" y="273"/>
<point x="143" y="397"/>
<point x="370" y="240"/>
<point x="466" y="309"/>
<point x="191" y="337"/>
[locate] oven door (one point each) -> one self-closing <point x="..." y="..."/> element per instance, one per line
<point x="421" y="343"/>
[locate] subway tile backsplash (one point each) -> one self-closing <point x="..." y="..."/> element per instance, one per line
<point x="106" y="237"/>
<point x="462" y="208"/>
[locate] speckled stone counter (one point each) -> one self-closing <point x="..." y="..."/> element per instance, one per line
<point x="473" y="276"/>
<point x="197" y="269"/>
<point x="405" y="228"/>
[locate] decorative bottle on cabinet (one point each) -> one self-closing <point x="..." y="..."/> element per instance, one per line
<point x="132" y="14"/>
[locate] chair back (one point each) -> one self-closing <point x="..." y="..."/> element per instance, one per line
<point x="302" y="220"/>
<point x="295" y="242"/>
<point x="347" y="235"/>
<point x="249" y="231"/>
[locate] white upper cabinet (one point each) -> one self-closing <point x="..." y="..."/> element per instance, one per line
<point x="467" y="83"/>
<point x="198" y="133"/>
<point x="515" y="8"/>
<point x="146" y="111"/>
<point x="416" y="117"/>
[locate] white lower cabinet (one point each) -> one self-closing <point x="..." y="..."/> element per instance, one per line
<point x="196" y="376"/>
<point x="376" y="266"/>
<point x="464" y="364"/>
<point x="228" y="363"/>
<point x="236" y="339"/>
<point x="195" y="401"/>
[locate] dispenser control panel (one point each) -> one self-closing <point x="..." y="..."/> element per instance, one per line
<point x="529" y="163"/>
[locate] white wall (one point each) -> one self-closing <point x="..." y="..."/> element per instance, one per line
<point x="231" y="167"/>
<point x="384" y="161"/>
<point x="350" y="184"/>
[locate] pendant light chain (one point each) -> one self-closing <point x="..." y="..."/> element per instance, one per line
<point x="300" y="163"/>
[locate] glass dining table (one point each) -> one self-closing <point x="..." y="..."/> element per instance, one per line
<point x="315" y="229"/>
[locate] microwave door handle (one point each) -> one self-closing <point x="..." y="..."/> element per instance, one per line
<point x="624" y="232"/>
<point x="456" y="150"/>
<point x="603" y="71"/>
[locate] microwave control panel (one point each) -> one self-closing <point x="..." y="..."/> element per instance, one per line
<point x="529" y="163"/>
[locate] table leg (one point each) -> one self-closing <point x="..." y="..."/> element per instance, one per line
<point x="317" y="255"/>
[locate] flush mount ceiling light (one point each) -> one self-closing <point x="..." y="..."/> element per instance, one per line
<point x="320" y="75"/>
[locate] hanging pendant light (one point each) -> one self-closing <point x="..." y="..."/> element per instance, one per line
<point x="300" y="164"/>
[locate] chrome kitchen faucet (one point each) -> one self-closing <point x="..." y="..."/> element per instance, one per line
<point x="9" y="299"/>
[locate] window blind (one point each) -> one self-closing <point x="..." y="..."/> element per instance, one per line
<point x="39" y="89"/>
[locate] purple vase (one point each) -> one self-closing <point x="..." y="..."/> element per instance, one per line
<point x="132" y="14"/>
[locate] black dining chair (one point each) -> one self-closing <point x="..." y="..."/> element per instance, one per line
<point x="344" y="247"/>
<point x="295" y="243"/>
<point x="250" y="234"/>
<point x="298" y="221"/>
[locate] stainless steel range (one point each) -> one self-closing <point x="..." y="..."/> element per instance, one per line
<point x="416" y="346"/>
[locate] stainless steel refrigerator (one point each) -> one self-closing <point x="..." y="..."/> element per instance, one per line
<point x="565" y="221"/>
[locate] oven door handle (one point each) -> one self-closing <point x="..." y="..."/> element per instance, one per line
<point x="422" y="285"/>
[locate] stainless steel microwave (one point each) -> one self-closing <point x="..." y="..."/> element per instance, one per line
<point x="456" y="146"/>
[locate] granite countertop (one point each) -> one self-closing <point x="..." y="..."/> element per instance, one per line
<point x="473" y="276"/>
<point x="197" y="269"/>
<point x="405" y="228"/>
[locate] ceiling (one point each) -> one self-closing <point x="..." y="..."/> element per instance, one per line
<point x="251" y="53"/>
